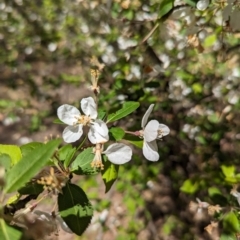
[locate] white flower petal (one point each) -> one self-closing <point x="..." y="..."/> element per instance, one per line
<point x="43" y="216"/>
<point x="63" y="225"/>
<point x="89" y="107"/>
<point x="164" y="129"/>
<point x="98" y="132"/>
<point x="146" y="115"/>
<point x="151" y="131"/>
<point x="118" y="153"/>
<point x="150" y="151"/>
<point x="68" y="114"/>
<point x="72" y="133"/>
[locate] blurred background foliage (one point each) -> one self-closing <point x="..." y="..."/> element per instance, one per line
<point x="183" y="56"/>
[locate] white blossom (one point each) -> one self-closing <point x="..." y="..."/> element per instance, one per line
<point x="202" y="205"/>
<point x="71" y="116"/>
<point x="98" y="132"/>
<point x="117" y="153"/>
<point x="152" y="131"/>
<point x="202" y="5"/>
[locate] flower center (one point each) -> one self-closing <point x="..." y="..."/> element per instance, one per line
<point x="160" y="134"/>
<point x="83" y="120"/>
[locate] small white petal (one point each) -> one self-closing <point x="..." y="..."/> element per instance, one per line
<point x="118" y="153"/>
<point x="43" y="216"/>
<point x="68" y="114"/>
<point x="98" y="132"/>
<point x="89" y="107"/>
<point x="63" y="225"/>
<point x="72" y="133"/>
<point x="150" y="151"/>
<point x="164" y="130"/>
<point x="151" y="130"/>
<point x="146" y="115"/>
<point x="202" y="5"/>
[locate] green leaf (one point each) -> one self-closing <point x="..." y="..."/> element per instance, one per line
<point x="117" y="133"/>
<point x="191" y="2"/>
<point x="75" y="208"/>
<point x="66" y="153"/>
<point x="228" y="237"/>
<point x="29" y="147"/>
<point x="231" y="223"/>
<point x="5" y="161"/>
<point x="109" y="174"/>
<point x="228" y="171"/>
<point x="29" y="166"/>
<point x="231" y="180"/>
<point x="101" y="114"/>
<point x="136" y="141"/>
<point x="210" y="40"/>
<point x="31" y="188"/>
<point x="214" y="118"/>
<point x="189" y="186"/>
<point x="127" y="108"/>
<point x="217" y="197"/>
<point x="165" y="7"/>
<point x="201" y="140"/>
<point x="13" y="151"/>
<point x="197" y="88"/>
<point x="7" y="232"/>
<point x="82" y="164"/>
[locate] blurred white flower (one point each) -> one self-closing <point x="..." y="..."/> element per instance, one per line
<point x="202" y="5"/>
<point x="71" y="116"/>
<point x="117" y="153"/>
<point x="52" y="220"/>
<point x="235" y="193"/>
<point x="152" y="131"/>
<point x="201" y="205"/>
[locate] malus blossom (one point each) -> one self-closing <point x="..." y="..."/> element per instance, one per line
<point x="71" y="116"/>
<point x="150" y="132"/>
<point x="117" y="153"/>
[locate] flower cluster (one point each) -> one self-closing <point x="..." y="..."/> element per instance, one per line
<point x="117" y="153"/>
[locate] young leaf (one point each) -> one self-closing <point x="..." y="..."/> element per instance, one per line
<point x="189" y="186"/>
<point x="165" y="7"/>
<point x="228" y="171"/>
<point x="82" y="164"/>
<point x="66" y="153"/>
<point x="75" y="208"/>
<point x="13" y="151"/>
<point x="7" y="232"/>
<point x="109" y="174"/>
<point x="231" y="223"/>
<point x="29" y="166"/>
<point x="127" y="108"/>
<point x="117" y="133"/>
